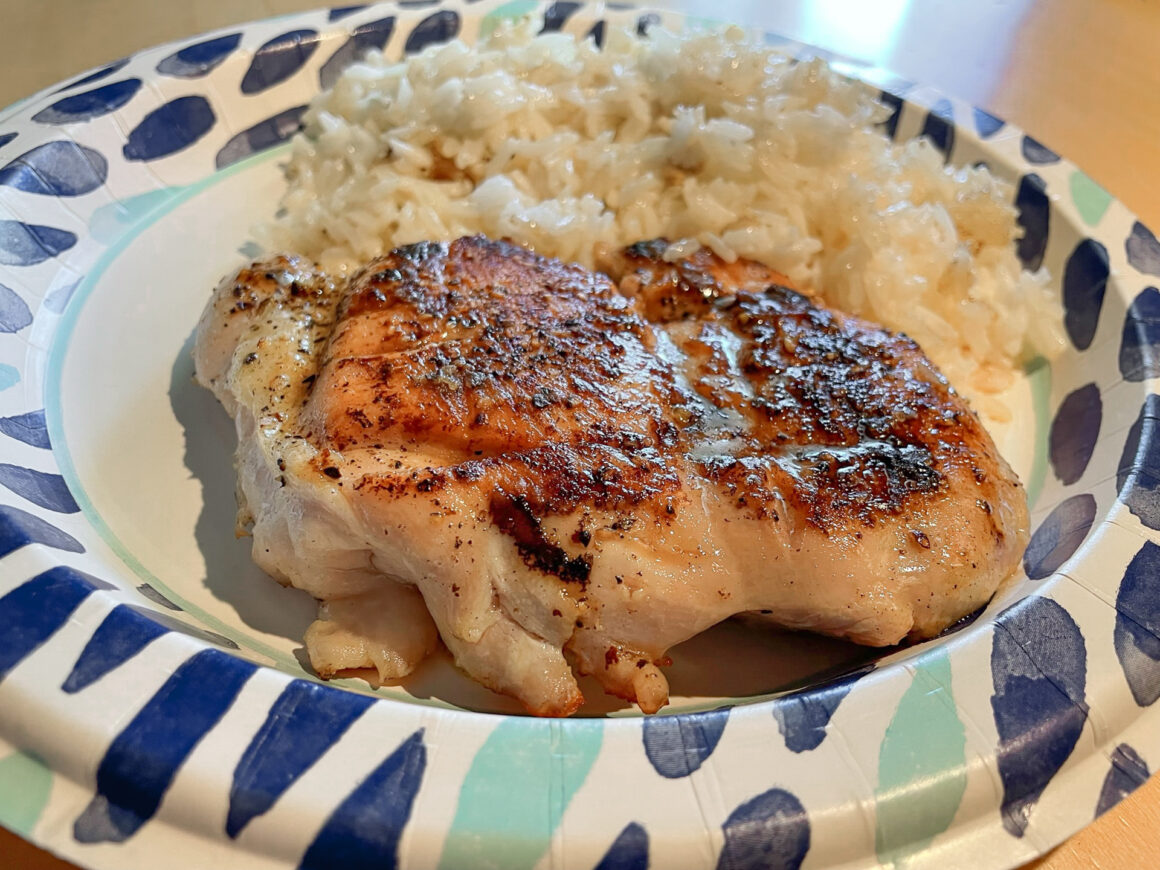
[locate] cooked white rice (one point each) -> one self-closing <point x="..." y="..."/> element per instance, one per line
<point x="710" y="138"/>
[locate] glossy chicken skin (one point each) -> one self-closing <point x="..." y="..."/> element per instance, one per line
<point x="568" y="475"/>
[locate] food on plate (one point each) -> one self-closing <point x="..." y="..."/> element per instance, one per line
<point x="559" y="474"/>
<point x="558" y="454"/>
<point x="711" y="139"/>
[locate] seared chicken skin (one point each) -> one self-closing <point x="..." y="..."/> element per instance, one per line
<point x="556" y="474"/>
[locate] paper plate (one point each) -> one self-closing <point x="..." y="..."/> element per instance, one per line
<point x="153" y="708"/>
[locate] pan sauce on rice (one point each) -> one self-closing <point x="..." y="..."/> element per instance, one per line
<point x="710" y="138"/>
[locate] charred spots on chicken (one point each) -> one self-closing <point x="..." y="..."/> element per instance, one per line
<point x="696" y="286"/>
<point x="429" y="483"/>
<point x="623" y="523"/>
<point x="667" y="435"/>
<point x="830" y="486"/>
<point x="996" y="531"/>
<point x="387" y="276"/>
<point x="565" y="476"/>
<point x="513" y="516"/>
<point x="542" y="398"/>
<point x="471" y="470"/>
<point x="873" y="478"/>
<point x="786" y="299"/>
<point x="420" y="251"/>
<point x="651" y="249"/>
<point x="359" y="416"/>
<point x="413" y="483"/>
<point x="605" y="475"/>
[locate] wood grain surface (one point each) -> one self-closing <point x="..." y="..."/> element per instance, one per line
<point x="1082" y="77"/>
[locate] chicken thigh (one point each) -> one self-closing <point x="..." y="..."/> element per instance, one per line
<point x="559" y="474"/>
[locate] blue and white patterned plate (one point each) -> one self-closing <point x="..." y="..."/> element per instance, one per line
<point x="152" y="708"/>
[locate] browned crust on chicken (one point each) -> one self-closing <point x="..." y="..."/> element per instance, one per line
<point x="484" y="348"/>
<point x="806" y="378"/>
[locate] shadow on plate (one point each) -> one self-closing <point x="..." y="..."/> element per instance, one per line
<point x="231" y="575"/>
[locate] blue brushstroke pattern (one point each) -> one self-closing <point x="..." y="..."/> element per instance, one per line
<point x="279" y="59"/>
<point x="170" y="128"/>
<point x="60" y="168"/>
<point x="125" y="631"/>
<point x="156" y="597"/>
<point x="628" y="852"/>
<point x="30" y="428"/>
<point x="1036" y="152"/>
<point x="1085" y="280"/>
<point x="305" y="721"/>
<point x="769" y="832"/>
<point x="90" y="104"/>
<point x="96" y="75"/>
<point x="1059" y="536"/>
<point x="19" y="529"/>
<point x="35" y="610"/>
<point x="439" y="27"/>
<point x="803" y="717"/>
<point x="14" y="313"/>
<point x="120" y="636"/>
<point x="939" y="127"/>
<point x="1039" y="669"/>
<point x="24" y="244"/>
<point x="263" y="135"/>
<point x="172" y="623"/>
<point x="342" y="11"/>
<point x="366" y="37"/>
<point x="1035" y="219"/>
<point x="557" y="15"/>
<point x="1143" y="250"/>
<point x="5" y="138"/>
<point x="894" y="103"/>
<point x="1137" y="633"/>
<point x="676" y="746"/>
<point x="1138" y="473"/>
<point x="647" y="22"/>
<point x="46" y="490"/>
<point x="200" y="59"/>
<point x="1140" y="340"/>
<point x="142" y="761"/>
<point x="986" y="123"/>
<point x="1128" y="772"/>
<point x="1074" y="432"/>
<point x="363" y="833"/>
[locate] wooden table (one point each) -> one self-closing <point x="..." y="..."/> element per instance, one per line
<point x="1083" y="77"/>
